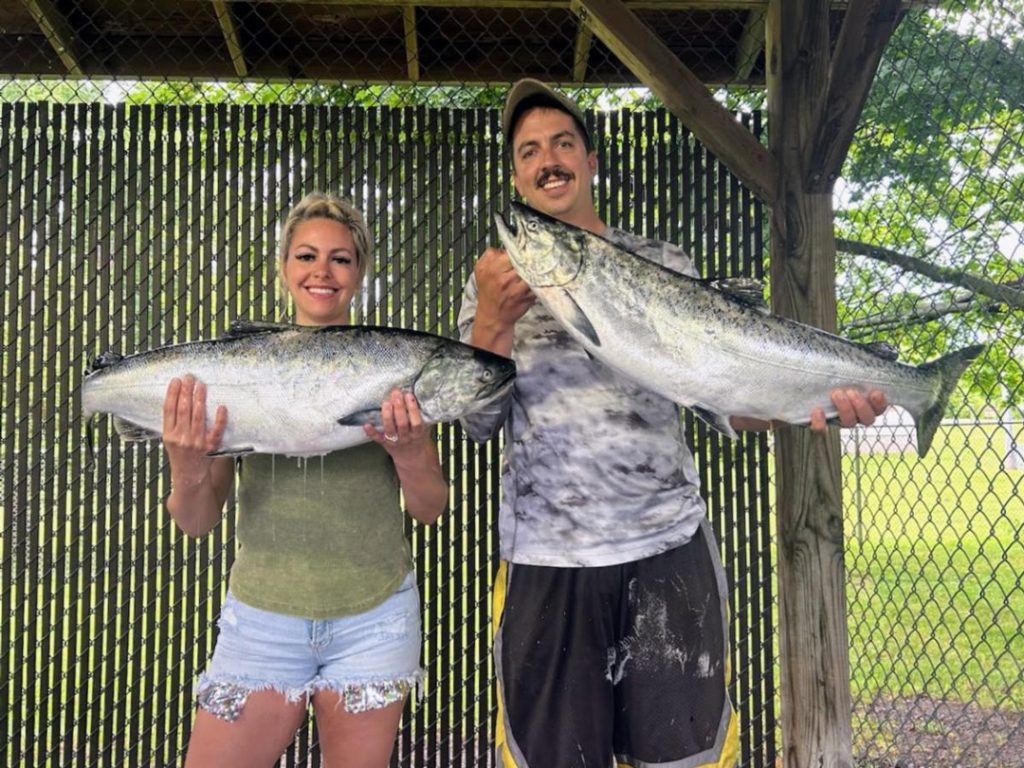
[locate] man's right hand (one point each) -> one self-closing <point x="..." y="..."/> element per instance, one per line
<point x="502" y="298"/>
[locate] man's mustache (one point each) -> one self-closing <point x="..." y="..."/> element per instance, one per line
<point x="553" y="173"/>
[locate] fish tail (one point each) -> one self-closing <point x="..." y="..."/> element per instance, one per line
<point x="948" y="368"/>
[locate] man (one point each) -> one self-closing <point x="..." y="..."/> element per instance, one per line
<point x="611" y="641"/>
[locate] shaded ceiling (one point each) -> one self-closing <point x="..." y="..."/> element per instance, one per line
<point x="447" y="41"/>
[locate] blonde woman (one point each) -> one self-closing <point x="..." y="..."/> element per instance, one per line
<point x="322" y="605"/>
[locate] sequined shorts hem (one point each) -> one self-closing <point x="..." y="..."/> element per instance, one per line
<point x="224" y="698"/>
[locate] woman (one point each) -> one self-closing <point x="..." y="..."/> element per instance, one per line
<point x="322" y="604"/>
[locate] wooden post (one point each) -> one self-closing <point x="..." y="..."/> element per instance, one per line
<point x="815" y="678"/>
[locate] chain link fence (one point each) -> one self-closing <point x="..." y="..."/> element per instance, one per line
<point x="147" y="153"/>
<point x="933" y="189"/>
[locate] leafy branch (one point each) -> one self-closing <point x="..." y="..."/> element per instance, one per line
<point x="1009" y="293"/>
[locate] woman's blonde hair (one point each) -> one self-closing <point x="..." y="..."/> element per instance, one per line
<point x="318" y="205"/>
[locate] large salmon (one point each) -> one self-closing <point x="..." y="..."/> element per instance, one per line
<point x="705" y="348"/>
<point x="298" y="391"/>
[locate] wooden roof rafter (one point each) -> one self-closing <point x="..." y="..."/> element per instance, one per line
<point x="412" y="50"/>
<point x="867" y="27"/>
<point x="231" y="37"/>
<point x="581" y="47"/>
<point x="58" y="33"/>
<point x="751" y="43"/>
<point x="683" y="93"/>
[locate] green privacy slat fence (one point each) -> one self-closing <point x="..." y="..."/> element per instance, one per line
<point x="126" y="227"/>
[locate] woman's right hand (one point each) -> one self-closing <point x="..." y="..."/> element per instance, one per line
<point x="186" y="438"/>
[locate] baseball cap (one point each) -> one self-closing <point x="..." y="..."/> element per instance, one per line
<point x="528" y="88"/>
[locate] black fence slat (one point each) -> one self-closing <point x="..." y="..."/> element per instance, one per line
<point x="614" y="139"/>
<point x="641" y="191"/>
<point x="405" y="121"/>
<point x="654" y="182"/>
<point x="240" y="252"/>
<point x="47" y="430"/>
<point x="446" y="224"/>
<point x="33" y="415"/>
<point x="68" y="442"/>
<point x="466" y="173"/>
<point x="425" y="231"/>
<point x="273" y="217"/>
<point x="16" y="507"/>
<point x="498" y="188"/>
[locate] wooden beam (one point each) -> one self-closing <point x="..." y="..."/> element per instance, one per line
<point x="814" y="644"/>
<point x="683" y="94"/>
<point x="581" y="47"/>
<point x="866" y="30"/>
<point x="412" y="48"/>
<point x="57" y="32"/>
<point x="231" y="36"/>
<point x="751" y="44"/>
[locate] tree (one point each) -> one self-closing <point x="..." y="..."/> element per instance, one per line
<point x="937" y="172"/>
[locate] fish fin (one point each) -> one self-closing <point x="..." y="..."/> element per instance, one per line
<point x="882" y="349"/>
<point x="578" y="320"/>
<point x="949" y="368"/>
<point x="367" y="416"/>
<point x="746" y="289"/>
<point x="129" y="430"/>
<point x="105" y="360"/>
<point x="90" y="440"/>
<point x="340" y="328"/>
<point x="242" y="328"/>
<point x="233" y="452"/>
<point x="716" y="421"/>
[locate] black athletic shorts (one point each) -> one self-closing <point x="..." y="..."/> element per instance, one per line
<point x="615" y="665"/>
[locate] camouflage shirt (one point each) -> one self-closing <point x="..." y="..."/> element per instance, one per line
<point x="596" y="470"/>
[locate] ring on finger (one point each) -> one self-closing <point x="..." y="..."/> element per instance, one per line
<point x="391" y="438"/>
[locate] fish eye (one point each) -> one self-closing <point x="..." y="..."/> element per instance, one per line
<point x="487" y="375"/>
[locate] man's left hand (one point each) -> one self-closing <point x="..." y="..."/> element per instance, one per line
<point x="853" y="408"/>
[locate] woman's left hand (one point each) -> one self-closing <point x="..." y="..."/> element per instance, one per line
<point x="402" y="424"/>
<point x="413" y="451"/>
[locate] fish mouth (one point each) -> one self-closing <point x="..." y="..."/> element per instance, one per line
<point x="506" y="375"/>
<point x="510" y="229"/>
<point x="510" y="222"/>
<point x="503" y="368"/>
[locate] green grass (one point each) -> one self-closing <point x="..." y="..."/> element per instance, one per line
<point x="934" y="565"/>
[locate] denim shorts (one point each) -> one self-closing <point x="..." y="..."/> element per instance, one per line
<point x="371" y="659"/>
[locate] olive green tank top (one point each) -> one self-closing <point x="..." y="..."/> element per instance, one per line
<point x="319" y="537"/>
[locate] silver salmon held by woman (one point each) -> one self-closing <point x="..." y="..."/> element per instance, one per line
<point x="704" y="348"/>
<point x="298" y="391"/>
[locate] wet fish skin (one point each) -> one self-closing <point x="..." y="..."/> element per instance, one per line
<point x="298" y="391"/>
<point x="704" y="348"/>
